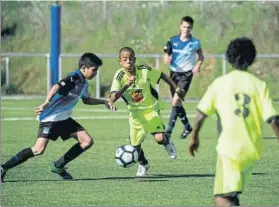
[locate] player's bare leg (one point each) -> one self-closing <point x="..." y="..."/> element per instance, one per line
<point x="227" y="201"/>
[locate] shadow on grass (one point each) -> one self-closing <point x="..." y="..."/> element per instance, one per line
<point x="148" y="178"/>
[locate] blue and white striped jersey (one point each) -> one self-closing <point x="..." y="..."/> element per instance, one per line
<point x="72" y="88"/>
<point x="183" y="53"/>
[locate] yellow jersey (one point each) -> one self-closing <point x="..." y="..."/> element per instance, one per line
<point x="242" y="103"/>
<point x="142" y="94"/>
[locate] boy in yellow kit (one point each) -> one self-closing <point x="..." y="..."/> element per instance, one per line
<point x="242" y="103"/>
<point x="135" y="85"/>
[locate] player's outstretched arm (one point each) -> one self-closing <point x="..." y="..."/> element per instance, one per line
<point x="38" y="110"/>
<point x="194" y="143"/>
<point x="275" y="126"/>
<point x="180" y="92"/>
<point x="115" y="95"/>
<point x="95" y="101"/>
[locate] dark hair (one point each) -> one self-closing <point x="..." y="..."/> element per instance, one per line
<point x="89" y="60"/>
<point x="126" y="49"/>
<point x="187" y="19"/>
<point x="241" y="53"/>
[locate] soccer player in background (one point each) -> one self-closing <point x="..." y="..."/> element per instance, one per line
<point x="242" y="103"/>
<point x="135" y="84"/>
<point x="55" y="117"/>
<point x="180" y="54"/>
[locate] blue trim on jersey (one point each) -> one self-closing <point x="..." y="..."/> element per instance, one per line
<point x="183" y="53"/>
<point x="62" y="103"/>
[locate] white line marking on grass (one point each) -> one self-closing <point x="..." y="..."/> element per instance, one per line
<point x="80" y="110"/>
<point x="18" y="119"/>
<point x="31" y="109"/>
<point x="80" y="118"/>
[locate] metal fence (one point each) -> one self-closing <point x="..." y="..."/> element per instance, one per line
<point x="5" y="61"/>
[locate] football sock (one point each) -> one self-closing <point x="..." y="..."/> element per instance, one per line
<point x="166" y="141"/>
<point x="234" y="201"/>
<point x="182" y="115"/>
<point x="73" y="153"/>
<point x="19" y="158"/>
<point x="172" y="119"/>
<point x="142" y="160"/>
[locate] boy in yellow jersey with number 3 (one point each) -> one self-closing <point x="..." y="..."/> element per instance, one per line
<point x="135" y="84"/>
<point x="242" y="103"/>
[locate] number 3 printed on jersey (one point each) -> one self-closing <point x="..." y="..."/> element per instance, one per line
<point x="242" y="101"/>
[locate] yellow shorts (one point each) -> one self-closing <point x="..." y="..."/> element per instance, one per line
<point x="144" y="122"/>
<point x="228" y="179"/>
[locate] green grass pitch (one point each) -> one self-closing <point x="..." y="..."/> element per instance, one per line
<point x="100" y="181"/>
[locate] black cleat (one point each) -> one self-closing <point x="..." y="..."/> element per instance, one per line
<point x="186" y="132"/>
<point x="60" y="171"/>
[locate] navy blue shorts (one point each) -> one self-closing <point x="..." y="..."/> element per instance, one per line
<point x="182" y="80"/>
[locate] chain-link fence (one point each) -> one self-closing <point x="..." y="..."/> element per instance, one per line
<point x="214" y="65"/>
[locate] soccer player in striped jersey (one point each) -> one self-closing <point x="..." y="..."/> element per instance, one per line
<point x="135" y="85"/>
<point x="180" y="54"/>
<point x="55" y="117"/>
<point x="242" y="103"/>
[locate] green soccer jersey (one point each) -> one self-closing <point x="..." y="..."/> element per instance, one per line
<point x="242" y="102"/>
<point x="141" y="95"/>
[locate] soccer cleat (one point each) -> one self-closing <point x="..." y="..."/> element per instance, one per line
<point x="60" y="171"/>
<point x="142" y="169"/>
<point x="186" y="132"/>
<point x="3" y="174"/>
<point x="171" y="150"/>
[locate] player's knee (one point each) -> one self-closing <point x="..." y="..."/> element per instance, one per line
<point x="176" y="102"/>
<point x="221" y="201"/>
<point x="38" y="150"/>
<point x="160" y="138"/>
<point x="227" y="201"/>
<point x="86" y="144"/>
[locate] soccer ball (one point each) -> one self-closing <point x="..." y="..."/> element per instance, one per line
<point x="126" y="156"/>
